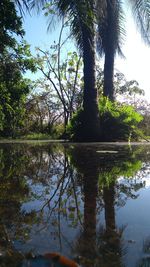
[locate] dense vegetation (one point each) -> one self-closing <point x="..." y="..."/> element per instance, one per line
<point x="75" y="99"/>
<point x="15" y="59"/>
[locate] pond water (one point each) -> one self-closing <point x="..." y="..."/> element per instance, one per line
<point x="88" y="202"/>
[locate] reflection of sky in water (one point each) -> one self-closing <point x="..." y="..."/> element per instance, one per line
<point x="136" y="216"/>
<point x="147" y="181"/>
<point x="48" y="235"/>
<point x="57" y="227"/>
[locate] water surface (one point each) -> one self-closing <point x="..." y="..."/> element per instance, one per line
<point x="89" y="202"/>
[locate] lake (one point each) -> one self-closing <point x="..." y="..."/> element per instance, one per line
<point x="88" y="202"/>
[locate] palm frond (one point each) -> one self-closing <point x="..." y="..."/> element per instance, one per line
<point x="141" y="12"/>
<point x="81" y="15"/>
<point x="39" y="4"/>
<point x="79" y="12"/>
<point x="111" y="31"/>
<point x="23" y="5"/>
<point x="48" y="7"/>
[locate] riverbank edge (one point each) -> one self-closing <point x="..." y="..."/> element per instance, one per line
<point x="63" y="141"/>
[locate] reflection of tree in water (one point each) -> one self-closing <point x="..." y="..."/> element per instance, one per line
<point x="110" y="239"/>
<point x="115" y="193"/>
<point x="13" y="192"/>
<point x="86" y="163"/>
<point x="36" y="173"/>
<point x="59" y="177"/>
<point x="104" y="248"/>
<point x="60" y="195"/>
<point x="145" y="260"/>
<point x="21" y="169"/>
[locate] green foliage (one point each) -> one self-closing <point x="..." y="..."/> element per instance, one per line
<point x="124" y="168"/>
<point x="144" y="108"/>
<point x="10" y="24"/>
<point x="37" y="136"/>
<point x="118" y="121"/>
<point x="13" y="91"/>
<point x="75" y="126"/>
<point x="58" y="131"/>
<point x="15" y="59"/>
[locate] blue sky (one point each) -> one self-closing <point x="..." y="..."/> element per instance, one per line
<point x="135" y="66"/>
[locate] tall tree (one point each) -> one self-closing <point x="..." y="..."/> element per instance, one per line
<point x="82" y="18"/>
<point x="10" y="24"/>
<point x="15" y="58"/>
<point x="82" y="25"/>
<point x="111" y="32"/>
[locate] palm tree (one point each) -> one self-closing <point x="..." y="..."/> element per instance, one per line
<point x="111" y="34"/>
<point x="82" y="20"/>
<point x="23" y="5"/>
<point x="81" y="14"/>
<point x="82" y="25"/>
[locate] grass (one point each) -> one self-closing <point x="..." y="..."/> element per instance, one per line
<point x="37" y="136"/>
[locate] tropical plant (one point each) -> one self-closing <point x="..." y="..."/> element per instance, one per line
<point x="13" y="89"/>
<point x="111" y="33"/>
<point x="109" y="41"/>
<point x="75" y="130"/>
<point x="118" y="121"/>
<point x="82" y="24"/>
<point x="83" y="28"/>
<point x="10" y="25"/>
<point x="15" y="59"/>
<point x="82" y="17"/>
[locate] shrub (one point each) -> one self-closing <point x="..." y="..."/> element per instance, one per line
<point x="58" y="131"/>
<point x="75" y="126"/>
<point x="118" y="121"/>
<point x="37" y="136"/>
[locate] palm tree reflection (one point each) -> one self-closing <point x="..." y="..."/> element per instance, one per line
<point x="99" y="176"/>
<point x="69" y="178"/>
<point x="110" y="239"/>
<point x="88" y="168"/>
<point x="145" y="260"/>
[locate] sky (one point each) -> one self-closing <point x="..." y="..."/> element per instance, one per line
<point x="135" y="66"/>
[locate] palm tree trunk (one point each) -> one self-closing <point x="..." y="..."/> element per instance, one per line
<point x="89" y="169"/>
<point x="90" y="193"/>
<point x="110" y="49"/>
<point x="109" y="200"/>
<point x="90" y="102"/>
<point x="108" y="75"/>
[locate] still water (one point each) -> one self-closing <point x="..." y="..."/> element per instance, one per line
<point x="88" y="202"/>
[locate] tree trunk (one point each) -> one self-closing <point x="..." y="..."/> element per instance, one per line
<point x="91" y="124"/>
<point x="108" y="75"/>
<point x="110" y="49"/>
<point x="109" y="200"/>
<point x="90" y="193"/>
<point x="89" y="169"/>
<point x="112" y="237"/>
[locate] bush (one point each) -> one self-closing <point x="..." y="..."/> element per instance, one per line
<point x="145" y="125"/>
<point x="75" y="127"/>
<point x="36" y="136"/>
<point x="118" y="121"/>
<point x="58" y="131"/>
